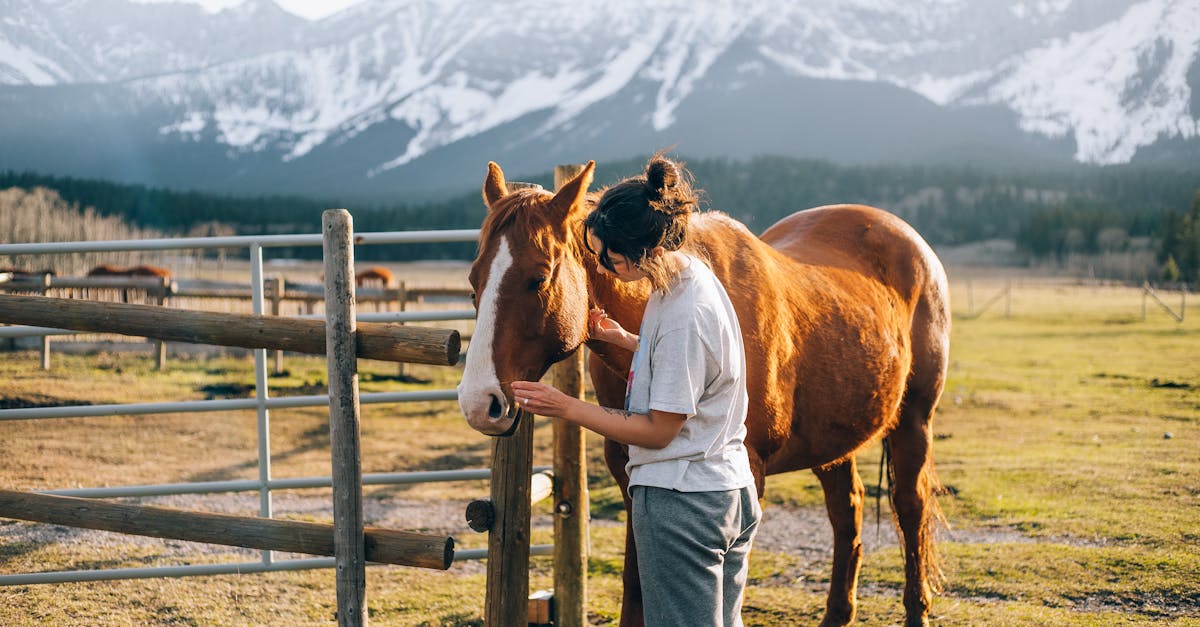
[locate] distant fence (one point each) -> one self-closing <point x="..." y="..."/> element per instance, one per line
<point x="972" y="299"/>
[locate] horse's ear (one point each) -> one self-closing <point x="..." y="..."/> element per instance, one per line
<point x="570" y="196"/>
<point x="494" y="187"/>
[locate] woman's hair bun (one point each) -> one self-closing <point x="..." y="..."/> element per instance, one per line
<point x="667" y="191"/>
<point x="661" y="175"/>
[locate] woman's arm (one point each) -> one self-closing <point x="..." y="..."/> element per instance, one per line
<point x="654" y="430"/>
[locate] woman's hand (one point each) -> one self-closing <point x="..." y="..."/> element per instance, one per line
<point x="541" y="399"/>
<point x="605" y="329"/>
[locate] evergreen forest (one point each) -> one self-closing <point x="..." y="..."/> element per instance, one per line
<point x="1050" y="215"/>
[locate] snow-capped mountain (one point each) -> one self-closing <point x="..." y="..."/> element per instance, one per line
<point x="401" y="94"/>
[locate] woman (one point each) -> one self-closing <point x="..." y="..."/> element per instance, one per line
<point x="695" y="509"/>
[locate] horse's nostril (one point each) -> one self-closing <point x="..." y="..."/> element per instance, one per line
<point x="495" y="410"/>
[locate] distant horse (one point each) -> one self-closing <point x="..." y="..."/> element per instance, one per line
<point x="846" y="320"/>
<point x="375" y="276"/>
<point x="141" y="271"/>
<point x="134" y="271"/>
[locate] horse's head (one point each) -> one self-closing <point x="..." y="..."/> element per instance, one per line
<point x="531" y="296"/>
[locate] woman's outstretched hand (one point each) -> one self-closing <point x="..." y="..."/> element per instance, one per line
<point x="605" y="329"/>
<point x="541" y="399"/>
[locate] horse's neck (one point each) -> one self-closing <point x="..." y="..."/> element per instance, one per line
<point x="623" y="302"/>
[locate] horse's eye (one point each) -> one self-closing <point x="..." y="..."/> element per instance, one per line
<point x="536" y="283"/>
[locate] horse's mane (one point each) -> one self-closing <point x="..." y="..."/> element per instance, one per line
<point x="515" y="209"/>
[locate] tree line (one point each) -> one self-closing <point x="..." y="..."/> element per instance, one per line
<point x="1051" y="215"/>
<point x="41" y="215"/>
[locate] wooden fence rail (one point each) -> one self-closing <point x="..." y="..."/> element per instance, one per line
<point x="384" y="341"/>
<point x="384" y="546"/>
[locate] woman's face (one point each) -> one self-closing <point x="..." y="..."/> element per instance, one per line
<point x="623" y="268"/>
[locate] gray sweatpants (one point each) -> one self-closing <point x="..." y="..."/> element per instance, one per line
<point x="692" y="549"/>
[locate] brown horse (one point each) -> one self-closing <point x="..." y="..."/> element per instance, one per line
<point x="135" y="271"/>
<point x="375" y="275"/>
<point x="845" y="315"/>
<point x="105" y="270"/>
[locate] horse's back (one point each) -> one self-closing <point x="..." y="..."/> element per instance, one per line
<point x="861" y="239"/>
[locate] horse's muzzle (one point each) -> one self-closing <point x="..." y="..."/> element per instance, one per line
<point x="489" y="412"/>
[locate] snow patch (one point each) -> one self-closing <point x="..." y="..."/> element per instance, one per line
<point x="21" y="66"/>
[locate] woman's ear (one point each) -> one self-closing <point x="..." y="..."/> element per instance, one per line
<point x="657" y="252"/>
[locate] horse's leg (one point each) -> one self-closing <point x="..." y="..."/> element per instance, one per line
<point x="631" y="598"/>
<point x="844" y="494"/>
<point x="914" y="502"/>
<point x="913" y="487"/>
<point x="914" y="481"/>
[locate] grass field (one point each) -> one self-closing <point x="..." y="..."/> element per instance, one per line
<point x="1068" y="439"/>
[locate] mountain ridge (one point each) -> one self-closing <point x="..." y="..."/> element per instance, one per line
<point x="394" y="95"/>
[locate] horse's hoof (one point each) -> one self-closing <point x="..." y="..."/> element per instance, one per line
<point x="837" y="621"/>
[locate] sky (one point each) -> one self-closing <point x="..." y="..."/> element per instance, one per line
<point x="311" y="9"/>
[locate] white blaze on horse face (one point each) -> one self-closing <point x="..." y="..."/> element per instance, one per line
<point x="480" y="396"/>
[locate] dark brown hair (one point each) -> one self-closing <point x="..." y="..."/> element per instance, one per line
<point x="643" y="212"/>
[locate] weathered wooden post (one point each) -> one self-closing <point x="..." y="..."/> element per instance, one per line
<point x="274" y="291"/>
<point x="160" y="296"/>
<point x="508" y="541"/>
<point x="43" y="287"/>
<point x="402" y="305"/>
<point x="571" y="541"/>
<point x="340" y="327"/>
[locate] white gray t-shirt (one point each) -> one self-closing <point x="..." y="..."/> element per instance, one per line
<point x="690" y="360"/>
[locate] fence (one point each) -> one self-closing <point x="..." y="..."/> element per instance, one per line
<point x="511" y="465"/>
<point x="1020" y="297"/>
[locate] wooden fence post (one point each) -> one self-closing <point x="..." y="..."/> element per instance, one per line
<point x="43" y="288"/>
<point x="160" y="346"/>
<point x="571" y="507"/>
<point x="507" y="602"/>
<point x="340" y="327"/>
<point x="402" y="300"/>
<point x="274" y="291"/>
